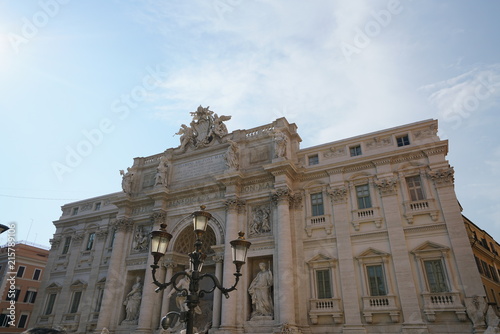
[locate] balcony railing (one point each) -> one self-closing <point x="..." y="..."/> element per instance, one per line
<point x="421" y="207"/>
<point x="319" y="222"/>
<point x="442" y="302"/>
<point x="326" y="307"/>
<point x="368" y="215"/>
<point x="380" y="304"/>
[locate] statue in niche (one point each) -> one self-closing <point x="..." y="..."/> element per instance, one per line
<point x="280" y="141"/>
<point x="260" y="291"/>
<point x="232" y="155"/>
<point x="261" y="222"/>
<point x="133" y="301"/>
<point x="161" y="172"/>
<point x="127" y="179"/>
<point x="141" y="239"/>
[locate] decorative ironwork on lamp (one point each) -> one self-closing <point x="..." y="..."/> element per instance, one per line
<point x="159" y="245"/>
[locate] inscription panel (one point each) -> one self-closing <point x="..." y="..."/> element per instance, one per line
<point x="199" y="168"/>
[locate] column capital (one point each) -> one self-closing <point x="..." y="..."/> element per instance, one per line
<point x="123" y="224"/>
<point x="387" y="186"/>
<point x="158" y="217"/>
<point x="338" y="194"/>
<point x="234" y="204"/>
<point x="442" y="177"/>
<point x="281" y="195"/>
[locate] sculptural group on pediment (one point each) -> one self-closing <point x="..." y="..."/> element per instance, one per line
<point x="204" y="129"/>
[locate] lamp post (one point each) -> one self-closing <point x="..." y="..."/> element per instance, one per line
<point x="159" y="244"/>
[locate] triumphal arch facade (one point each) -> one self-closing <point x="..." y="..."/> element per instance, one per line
<point x="360" y="235"/>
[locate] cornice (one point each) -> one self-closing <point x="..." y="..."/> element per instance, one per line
<point x="425" y="228"/>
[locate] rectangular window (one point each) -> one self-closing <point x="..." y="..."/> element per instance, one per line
<point x="20" y="271"/>
<point x="403" y="140"/>
<point x="376" y="280"/>
<point x="75" y="302"/>
<point x="112" y="241"/>
<point x="50" y="303"/>
<point x="436" y="276"/>
<point x="100" y="294"/>
<point x="36" y="274"/>
<point x="22" y="321"/>
<point x="355" y="150"/>
<point x="75" y="211"/>
<point x="486" y="270"/>
<point x="313" y="160"/>
<point x="97" y="206"/>
<point x="13" y="295"/>
<point x="478" y="264"/>
<point x="363" y="195"/>
<point x="415" y="188"/>
<point x="67" y="242"/>
<point x="90" y="241"/>
<point x="323" y="283"/>
<point x="30" y="297"/>
<point x="317" y="204"/>
<point x="493" y="274"/>
<point x="4" y="320"/>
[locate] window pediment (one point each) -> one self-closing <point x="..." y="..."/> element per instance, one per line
<point x="321" y="260"/>
<point x="430" y="248"/>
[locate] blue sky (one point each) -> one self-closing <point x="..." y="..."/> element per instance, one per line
<point x="127" y="73"/>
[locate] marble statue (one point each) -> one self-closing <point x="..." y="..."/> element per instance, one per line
<point x="127" y="180"/>
<point x="280" y="141"/>
<point x="162" y="172"/>
<point x="260" y="291"/>
<point x="133" y="301"/>
<point x="231" y="156"/>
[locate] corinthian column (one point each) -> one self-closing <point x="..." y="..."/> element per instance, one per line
<point x="148" y="292"/>
<point x="283" y="239"/>
<point x="228" y="314"/>
<point x="108" y="316"/>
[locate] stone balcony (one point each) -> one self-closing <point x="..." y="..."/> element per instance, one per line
<point x="380" y="304"/>
<point x="368" y="215"/>
<point x="443" y="302"/>
<point x="323" y="222"/>
<point x="331" y="307"/>
<point x="422" y="207"/>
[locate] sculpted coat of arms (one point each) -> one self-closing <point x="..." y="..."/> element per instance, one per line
<point x="204" y="129"/>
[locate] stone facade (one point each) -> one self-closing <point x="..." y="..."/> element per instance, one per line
<point x="362" y="235"/>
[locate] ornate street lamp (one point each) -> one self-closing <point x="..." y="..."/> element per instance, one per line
<point x="159" y="244"/>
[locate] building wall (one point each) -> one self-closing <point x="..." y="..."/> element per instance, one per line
<point x="29" y="263"/>
<point x="485" y="250"/>
<point x="350" y="249"/>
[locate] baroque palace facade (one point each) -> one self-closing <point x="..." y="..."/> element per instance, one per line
<point x="362" y="235"/>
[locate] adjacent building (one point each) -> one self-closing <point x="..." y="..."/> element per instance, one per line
<point x="485" y="250"/>
<point x="361" y="235"/>
<point x="21" y="270"/>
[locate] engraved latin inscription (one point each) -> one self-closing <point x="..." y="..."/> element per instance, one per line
<point x="199" y="168"/>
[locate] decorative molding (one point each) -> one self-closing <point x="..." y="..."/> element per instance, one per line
<point x="387" y="186"/>
<point x="442" y="177"/>
<point x="158" y="217"/>
<point x="338" y="195"/>
<point x="334" y="152"/>
<point x="377" y="142"/>
<point x="123" y="224"/>
<point x="427" y="132"/>
<point x="234" y="204"/>
<point x="280" y="195"/>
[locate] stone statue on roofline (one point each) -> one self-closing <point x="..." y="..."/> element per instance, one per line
<point x="205" y="129"/>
